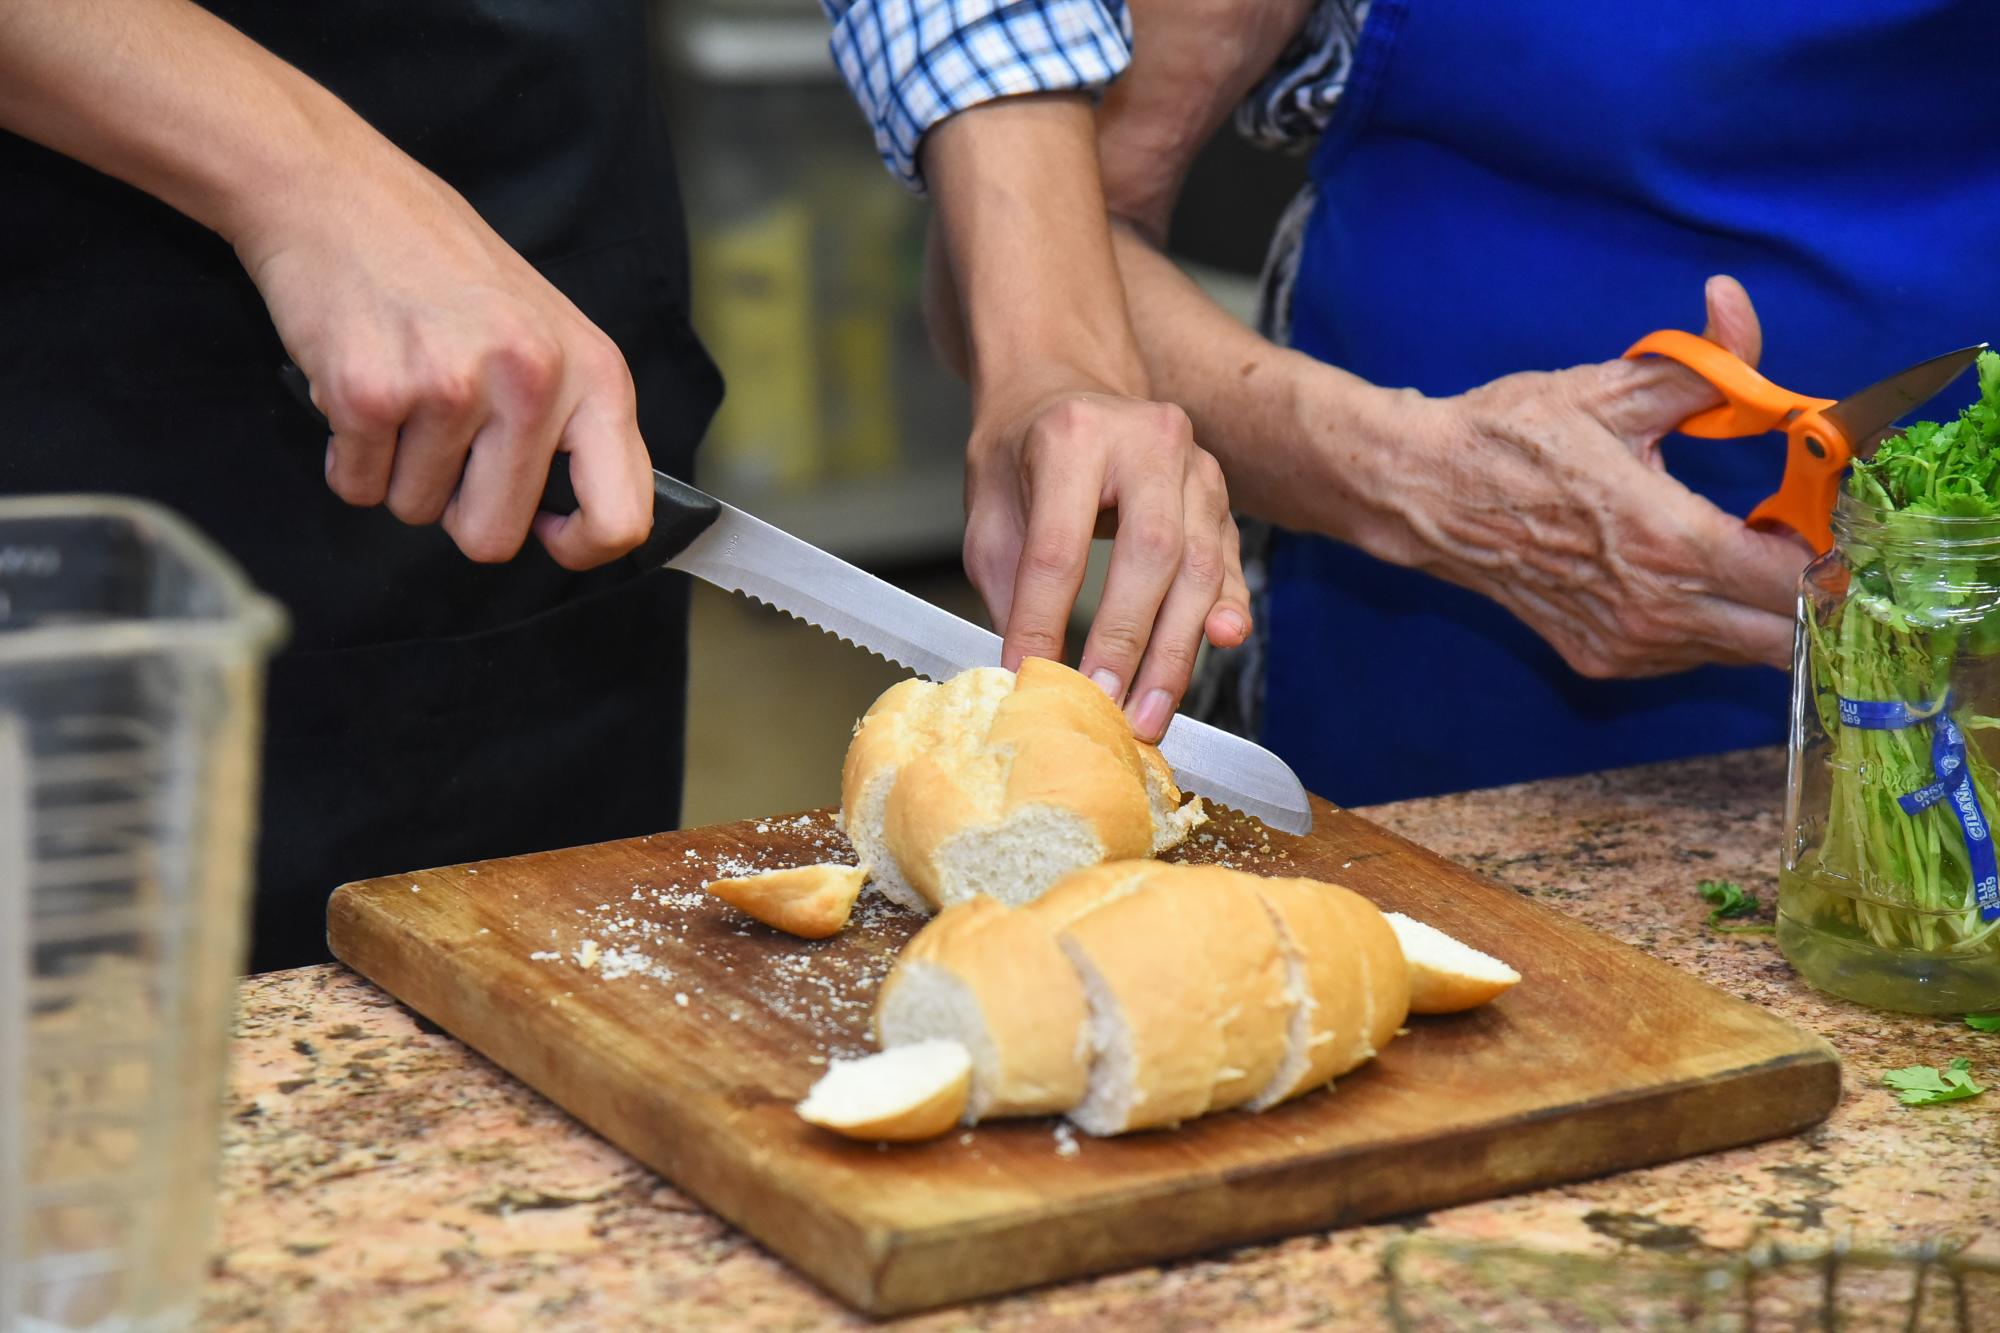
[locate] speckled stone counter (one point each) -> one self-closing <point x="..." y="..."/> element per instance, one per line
<point x="377" y="1174"/>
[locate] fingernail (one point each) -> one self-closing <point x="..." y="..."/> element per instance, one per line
<point x="1154" y="710"/>
<point x="1105" y="681"/>
<point x="1231" y="625"/>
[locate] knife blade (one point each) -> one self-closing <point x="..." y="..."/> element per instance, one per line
<point x="744" y="554"/>
<point x="700" y="535"/>
<point x="1865" y="416"/>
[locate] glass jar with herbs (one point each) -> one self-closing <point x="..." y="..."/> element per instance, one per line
<point x="1889" y="893"/>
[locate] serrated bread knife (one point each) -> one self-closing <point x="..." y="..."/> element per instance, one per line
<point x="699" y="534"/>
<point x="696" y="532"/>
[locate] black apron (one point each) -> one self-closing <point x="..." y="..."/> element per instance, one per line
<point x="426" y="710"/>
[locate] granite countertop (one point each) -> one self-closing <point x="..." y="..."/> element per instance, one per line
<point x="376" y="1173"/>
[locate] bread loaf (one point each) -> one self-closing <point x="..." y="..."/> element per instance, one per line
<point x="994" y="981"/>
<point x="998" y="783"/>
<point x="1135" y="995"/>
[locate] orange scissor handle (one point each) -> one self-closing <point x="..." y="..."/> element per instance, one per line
<point x="1816" y="453"/>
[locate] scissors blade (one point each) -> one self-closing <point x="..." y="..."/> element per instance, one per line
<point x="1863" y="417"/>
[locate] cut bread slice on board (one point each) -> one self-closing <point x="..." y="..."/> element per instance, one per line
<point x="900" y="1095"/>
<point x="812" y="902"/>
<point x="1329" y="1027"/>
<point x="1446" y="976"/>
<point x="994" y="981"/>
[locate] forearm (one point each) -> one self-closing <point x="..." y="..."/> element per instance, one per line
<point x="1302" y="443"/>
<point x="165" y="96"/>
<point x="1026" y="246"/>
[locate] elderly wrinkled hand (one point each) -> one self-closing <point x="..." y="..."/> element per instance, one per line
<point x="1547" y="493"/>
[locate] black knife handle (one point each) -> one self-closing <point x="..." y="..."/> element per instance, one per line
<point x="680" y="512"/>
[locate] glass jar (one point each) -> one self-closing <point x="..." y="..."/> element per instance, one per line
<point x="1888" y="893"/>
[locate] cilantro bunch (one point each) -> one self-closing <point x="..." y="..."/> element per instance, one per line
<point x="1910" y="613"/>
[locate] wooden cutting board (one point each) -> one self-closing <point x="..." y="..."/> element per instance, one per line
<point x="683" y="1032"/>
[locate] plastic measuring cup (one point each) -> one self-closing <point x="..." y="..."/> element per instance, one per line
<point x="131" y="697"/>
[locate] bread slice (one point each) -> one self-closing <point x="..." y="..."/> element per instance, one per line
<point x="1328" y="1030"/>
<point x="1447" y="977"/>
<point x="908" y="1093"/>
<point x="998" y="784"/>
<point x="812" y="902"/>
<point x="1247" y="957"/>
<point x="994" y="981"/>
<point x="1385" y="975"/>
<point x="1156" y="1015"/>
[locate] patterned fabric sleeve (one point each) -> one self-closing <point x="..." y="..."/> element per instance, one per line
<point x="911" y="63"/>
<point x="1294" y="102"/>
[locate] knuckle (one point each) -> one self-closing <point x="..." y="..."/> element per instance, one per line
<point x="1070" y="417"/>
<point x="1201" y="562"/>
<point x="1049" y="559"/>
<point x="1172" y="422"/>
<point x="1207" y="472"/>
<point x="1036" y="641"/>
<point x="1175" y="655"/>
<point x="368" y="399"/>
<point x="1153" y="538"/>
<point x="486" y="543"/>
<point x="415" y="508"/>
<point x="1117" y="640"/>
<point x="532" y="367"/>
<point x="360" y="491"/>
<point x="454" y="393"/>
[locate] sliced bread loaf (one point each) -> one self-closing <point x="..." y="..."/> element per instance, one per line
<point x="994" y="981"/>
<point x="998" y="784"/>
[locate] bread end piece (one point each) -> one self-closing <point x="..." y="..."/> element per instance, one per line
<point x="896" y="1096"/>
<point x="1447" y="976"/>
<point x="811" y="902"/>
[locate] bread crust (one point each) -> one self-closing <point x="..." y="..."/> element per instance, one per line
<point x="935" y="1114"/>
<point x="934" y="768"/>
<point x="1029" y="1000"/>
<point x="1436" y="988"/>
<point x="811" y="902"/>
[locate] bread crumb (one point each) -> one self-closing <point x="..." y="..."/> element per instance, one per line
<point x="544" y="956"/>
<point x="1065" y="1140"/>
<point x="586" y="954"/>
<point x="965" y="1139"/>
<point x="415" y="889"/>
<point x="681" y="999"/>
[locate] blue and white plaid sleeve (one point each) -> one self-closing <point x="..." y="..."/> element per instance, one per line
<point x="911" y="63"/>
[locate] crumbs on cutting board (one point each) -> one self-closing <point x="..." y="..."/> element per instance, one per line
<point x="664" y="933"/>
<point x="656" y="934"/>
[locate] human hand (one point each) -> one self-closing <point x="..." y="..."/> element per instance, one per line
<point x="1547" y="493"/>
<point x="450" y="371"/>
<point x="1050" y="469"/>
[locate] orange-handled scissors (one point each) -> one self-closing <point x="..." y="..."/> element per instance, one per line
<point x="1822" y="435"/>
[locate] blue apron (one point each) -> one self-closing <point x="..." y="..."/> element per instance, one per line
<point x="1522" y="186"/>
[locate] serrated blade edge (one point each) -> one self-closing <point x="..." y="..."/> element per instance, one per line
<point x="743" y="554"/>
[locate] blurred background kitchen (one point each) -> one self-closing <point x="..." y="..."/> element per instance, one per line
<point x="839" y="425"/>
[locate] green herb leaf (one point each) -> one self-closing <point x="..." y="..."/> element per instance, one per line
<point x="1983" y="1022"/>
<point x="1730" y="899"/>
<point x="1926" y="1085"/>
